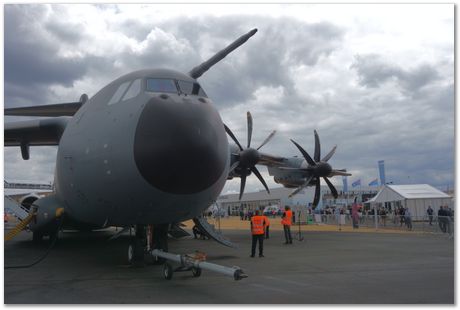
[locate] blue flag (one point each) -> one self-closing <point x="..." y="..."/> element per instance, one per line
<point x="356" y="183"/>
<point x="374" y="183"/>
<point x="345" y="183"/>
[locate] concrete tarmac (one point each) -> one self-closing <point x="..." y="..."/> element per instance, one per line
<point x="324" y="268"/>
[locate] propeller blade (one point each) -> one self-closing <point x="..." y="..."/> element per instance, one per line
<point x="317" y="193"/>
<point x="331" y="187"/>
<point x="329" y="155"/>
<point x="259" y="176"/>
<point x="317" y="147"/>
<point x="270" y="136"/>
<point x="243" y="183"/>
<point x="301" y="187"/>
<point x="305" y="154"/>
<point x="232" y="167"/>
<point x="249" y="128"/>
<point x="230" y="133"/>
<point x="339" y="172"/>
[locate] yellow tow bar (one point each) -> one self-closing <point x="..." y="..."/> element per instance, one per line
<point x="26" y="221"/>
<point x="20" y="227"/>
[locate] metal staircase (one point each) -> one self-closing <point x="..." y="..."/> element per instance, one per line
<point x="15" y="207"/>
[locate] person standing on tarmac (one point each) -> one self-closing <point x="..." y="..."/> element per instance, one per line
<point x="267" y="227"/>
<point x="286" y="221"/>
<point x="258" y="233"/>
<point x="429" y="211"/>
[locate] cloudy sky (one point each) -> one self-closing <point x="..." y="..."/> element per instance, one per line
<point x="375" y="79"/>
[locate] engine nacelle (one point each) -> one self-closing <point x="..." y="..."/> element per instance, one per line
<point x="28" y="200"/>
<point x="47" y="214"/>
<point x="289" y="182"/>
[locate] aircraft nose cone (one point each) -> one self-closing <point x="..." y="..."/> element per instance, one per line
<point x="180" y="148"/>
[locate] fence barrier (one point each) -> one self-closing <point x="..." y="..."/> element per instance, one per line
<point x="437" y="224"/>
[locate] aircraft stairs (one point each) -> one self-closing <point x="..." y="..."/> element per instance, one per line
<point x="15" y="207"/>
<point x="21" y="213"/>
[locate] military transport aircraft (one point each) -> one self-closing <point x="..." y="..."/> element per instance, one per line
<point x="149" y="148"/>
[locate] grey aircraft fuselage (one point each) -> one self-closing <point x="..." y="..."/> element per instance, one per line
<point x="149" y="148"/>
<point x="151" y="157"/>
<point x="289" y="178"/>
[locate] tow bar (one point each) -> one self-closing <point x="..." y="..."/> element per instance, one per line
<point x="195" y="262"/>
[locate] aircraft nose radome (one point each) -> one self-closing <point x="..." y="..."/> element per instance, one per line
<point x="180" y="149"/>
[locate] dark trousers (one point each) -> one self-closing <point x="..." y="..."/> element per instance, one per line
<point x="267" y="232"/>
<point x="256" y="238"/>
<point x="287" y="233"/>
<point x="442" y="224"/>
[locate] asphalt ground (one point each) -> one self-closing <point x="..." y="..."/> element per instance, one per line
<point x="327" y="267"/>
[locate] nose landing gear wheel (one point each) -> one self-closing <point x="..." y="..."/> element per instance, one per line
<point x="130" y="254"/>
<point x="167" y="271"/>
<point x="196" y="272"/>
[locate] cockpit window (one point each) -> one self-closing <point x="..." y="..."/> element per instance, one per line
<point x="125" y="91"/>
<point x="191" y="88"/>
<point x="161" y="86"/>
<point x="120" y="91"/>
<point x="133" y="90"/>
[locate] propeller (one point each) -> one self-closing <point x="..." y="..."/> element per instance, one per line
<point x="247" y="158"/>
<point x="318" y="168"/>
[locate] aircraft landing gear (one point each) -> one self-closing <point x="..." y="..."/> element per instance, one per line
<point x="136" y="248"/>
<point x="138" y="245"/>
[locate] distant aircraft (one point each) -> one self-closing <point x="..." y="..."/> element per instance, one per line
<point x="299" y="173"/>
<point x="149" y="148"/>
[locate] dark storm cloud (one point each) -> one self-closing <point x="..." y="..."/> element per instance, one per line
<point x="270" y="57"/>
<point x="267" y="60"/>
<point x="373" y="70"/>
<point x="403" y="115"/>
<point x="64" y="31"/>
<point x="31" y="59"/>
<point x="415" y="138"/>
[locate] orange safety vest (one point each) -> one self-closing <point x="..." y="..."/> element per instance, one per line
<point x="267" y="222"/>
<point x="287" y="219"/>
<point x="257" y="225"/>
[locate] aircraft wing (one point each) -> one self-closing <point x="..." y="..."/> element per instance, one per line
<point x="52" y="110"/>
<point x="271" y="160"/>
<point x="60" y="109"/>
<point x="34" y="132"/>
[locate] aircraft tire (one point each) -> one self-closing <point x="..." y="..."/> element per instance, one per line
<point x="167" y="271"/>
<point x="130" y="253"/>
<point x="196" y="272"/>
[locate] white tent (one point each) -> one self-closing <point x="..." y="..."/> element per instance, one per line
<point x="416" y="197"/>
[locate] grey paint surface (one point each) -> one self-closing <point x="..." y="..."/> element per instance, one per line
<point x="97" y="178"/>
<point x="325" y="268"/>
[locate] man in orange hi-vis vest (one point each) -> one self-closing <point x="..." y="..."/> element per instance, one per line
<point x="258" y="233"/>
<point x="267" y="227"/>
<point x="286" y="221"/>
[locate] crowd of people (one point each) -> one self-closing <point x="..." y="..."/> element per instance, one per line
<point x="260" y="223"/>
